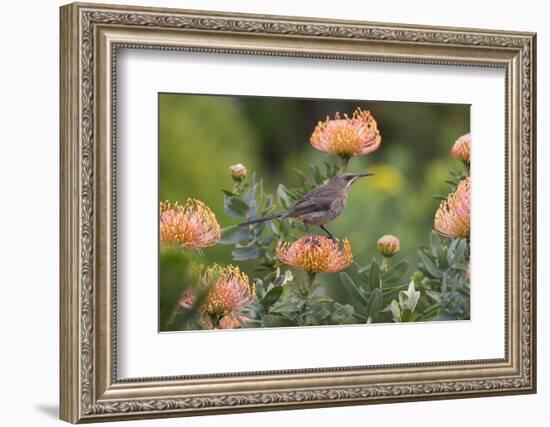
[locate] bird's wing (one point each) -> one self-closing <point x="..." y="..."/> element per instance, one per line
<point x="319" y="199"/>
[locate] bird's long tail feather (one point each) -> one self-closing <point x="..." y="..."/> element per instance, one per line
<point x="263" y="219"/>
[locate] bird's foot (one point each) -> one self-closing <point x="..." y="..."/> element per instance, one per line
<point x="313" y="241"/>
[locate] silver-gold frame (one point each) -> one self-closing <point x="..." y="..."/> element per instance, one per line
<point x="90" y="37"/>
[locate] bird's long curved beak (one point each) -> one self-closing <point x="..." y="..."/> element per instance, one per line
<point x="360" y="175"/>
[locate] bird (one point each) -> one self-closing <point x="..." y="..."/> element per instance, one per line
<point x="320" y="206"/>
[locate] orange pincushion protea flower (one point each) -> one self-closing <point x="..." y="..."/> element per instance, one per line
<point x="193" y="225"/>
<point x="452" y="219"/>
<point x="349" y="136"/>
<point x="229" y="291"/>
<point x="461" y="148"/>
<point x="316" y="254"/>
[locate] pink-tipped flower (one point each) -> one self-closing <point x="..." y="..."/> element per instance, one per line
<point x="238" y="172"/>
<point x="229" y="322"/>
<point x="316" y="254"/>
<point x="349" y="136"/>
<point x="388" y="245"/>
<point x="193" y="225"/>
<point x="228" y="291"/>
<point x="461" y="148"/>
<point x="452" y="219"/>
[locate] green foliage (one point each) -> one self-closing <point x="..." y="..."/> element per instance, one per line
<point x="175" y="277"/>
<point x="194" y="157"/>
<point x="453" y="182"/>
<point x="442" y="277"/>
<point x="318" y="175"/>
<point x="375" y="287"/>
<point x="255" y="242"/>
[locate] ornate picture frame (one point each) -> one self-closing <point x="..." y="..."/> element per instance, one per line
<point x="90" y="37"/>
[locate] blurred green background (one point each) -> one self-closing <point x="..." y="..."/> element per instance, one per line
<point x="201" y="136"/>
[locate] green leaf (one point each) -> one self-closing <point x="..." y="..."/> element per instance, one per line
<point x="234" y="234"/>
<point x="316" y="174"/>
<point x="395" y="274"/>
<point x="407" y="315"/>
<point x="268" y="203"/>
<point x="303" y="178"/>
<point x="438" y="251"/>
<point x="435" y="242"/>
<point x="272" y="297"/>
<point x="353" y="288"/>
<point x="260" y="289"/>
<point x="374" y="276"/>
<point x="274" y="320"/>
<point x="235" y="207"/>
<point x="279" y="280"/>
<point x="319" y="300"/>
<point x="429" y="265"/>
<point x="391" y="293"/>
<point x="460" y="251"/>
<point x="228" y="193"/>
<point x="244" y="254"/>
<point x="282" y="196"/>
<point x="341" y="314"/>
<point x="287" y="307"/>
<point x="375" y="303"/>
<point x="251" y="195"/>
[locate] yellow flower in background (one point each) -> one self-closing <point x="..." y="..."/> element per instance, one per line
<point x="452" y="219"/>
<point x="228" y="292"/>
<point x="388" y="245"/>
<point x="386" y="179"/>
<point x="461" y="148"/>
<point x="348" y="136"/>
<point x="316" y="254"/>
<point x="193" y="225"/>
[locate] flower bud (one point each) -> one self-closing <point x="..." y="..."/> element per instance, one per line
<point x="388" y="245"/>
<point x="461" y="149"/>
<point x="237" y="171"/>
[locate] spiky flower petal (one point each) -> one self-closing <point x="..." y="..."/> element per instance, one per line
<point x="461" y="148"/>
<point x="349" y="136"/>
<point x="193" y="225"/>
<point x="229" y="322"/>
<point x="228" y="291"/>
<point x="452" y="219"/>
<point x="388" y="245"/>
<point x="316" y="254"/>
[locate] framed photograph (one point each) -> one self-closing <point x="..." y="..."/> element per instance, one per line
<point x="265" y="212"/>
